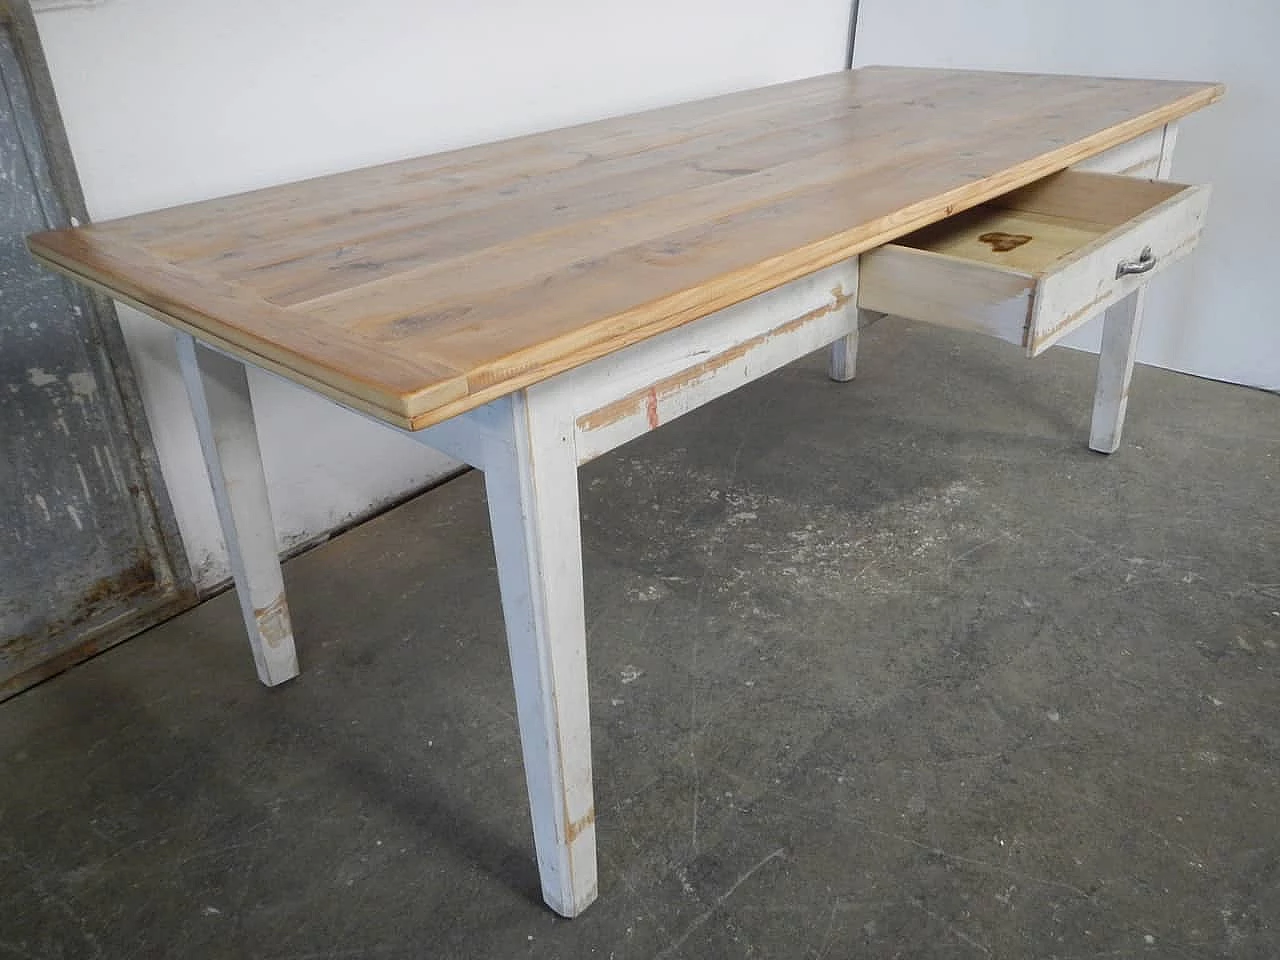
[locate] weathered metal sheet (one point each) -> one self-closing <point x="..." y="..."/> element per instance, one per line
<point x="84" y="558"/>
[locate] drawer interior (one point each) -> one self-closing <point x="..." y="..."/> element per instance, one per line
<point x="1035" y="264"/>
<point x="1032" y="229"/>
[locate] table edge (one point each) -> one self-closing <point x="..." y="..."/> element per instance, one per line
<point x="442" y="399"/>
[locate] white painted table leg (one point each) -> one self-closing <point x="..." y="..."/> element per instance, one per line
<point x="844" y="352"/>
<point x="843" y="363"/>
<point x="531" y="481"/>
<point x="844" y="358"/>
<point x="1121" y="327"/>
<point x="219" y="392"/>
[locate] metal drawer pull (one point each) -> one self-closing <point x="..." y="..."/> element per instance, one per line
<point x="1144" y="264"/>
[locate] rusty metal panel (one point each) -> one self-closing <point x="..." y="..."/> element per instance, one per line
<point x="87" y="553"/>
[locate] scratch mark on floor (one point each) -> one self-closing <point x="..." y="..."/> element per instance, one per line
<point x="634" y="890"/>
<point x="952" y="928"/>
<point x="825" y="945"/>
<point x="706" y="914"/>
<point x="984" y="864"/>
<point x="972" y="550"/>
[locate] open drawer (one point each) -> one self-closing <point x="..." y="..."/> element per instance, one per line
<point x="1031" y="266"/>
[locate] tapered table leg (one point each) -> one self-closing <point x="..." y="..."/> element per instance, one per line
<point x="219" y="393"/>
<point x="1120" y="331"/>
<point x="531" y="481"/>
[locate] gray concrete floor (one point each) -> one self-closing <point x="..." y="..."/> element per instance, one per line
<point x="896" y="668"/>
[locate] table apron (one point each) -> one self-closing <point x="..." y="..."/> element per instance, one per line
<point x="621" y="396"/>
<point x="637" y="389"/>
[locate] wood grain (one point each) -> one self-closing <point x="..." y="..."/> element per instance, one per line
<point x="1012" y="239"/>
<point x="419" y="289"/>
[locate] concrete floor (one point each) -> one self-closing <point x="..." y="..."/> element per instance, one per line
<point x="890" y="669"/>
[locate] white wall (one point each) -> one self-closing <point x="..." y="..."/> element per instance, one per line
<point x="1215" y="314"/>
<point x="168" y="101"/>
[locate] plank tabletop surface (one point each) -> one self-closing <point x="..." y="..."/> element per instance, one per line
<point x="418" y="289"/>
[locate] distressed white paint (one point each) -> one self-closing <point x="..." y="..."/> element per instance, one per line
<point x="663" y="378"/>
<point x="1137" y="158"/>
<point x="1038" y="308"/>
<point x="1121" y="330"/>
<point x="1214" y="316"/>
<point x="1121" y="325"/>
<point x="218" y="390"/>
<point x="531" y="480"/>
<point x="201" y="99"/>
<point x="842" y="362"/>
<point x="1085" y="283"/>
<point x="38" y="377"/>
<point x="943" y="289"/>
<point x="528" y="445"/>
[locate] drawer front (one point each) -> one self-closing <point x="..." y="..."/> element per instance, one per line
<point x="1034" y="265"/>
<point x="1082" y="288"/>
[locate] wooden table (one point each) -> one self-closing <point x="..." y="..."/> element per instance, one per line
<point x="527" y="305"/>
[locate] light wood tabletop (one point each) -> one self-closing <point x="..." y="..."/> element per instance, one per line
<point x="419" y="289"/>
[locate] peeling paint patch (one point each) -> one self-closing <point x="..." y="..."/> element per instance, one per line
<point x="84" y="483"/>
<point x="651" y="407"/>
<point x="116" y="475"/>
<point x="82" y="384"/>
<point x="38" y="378"/>
<point x="648" y="398"/>
<point x="273" y="622"/>
<point x="574" y="828"/>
